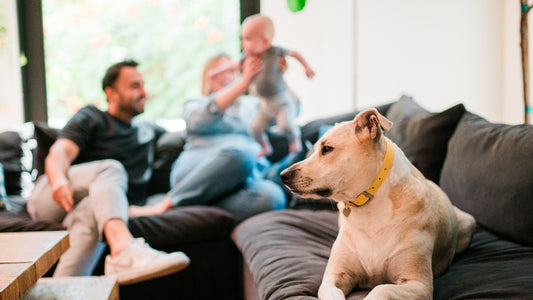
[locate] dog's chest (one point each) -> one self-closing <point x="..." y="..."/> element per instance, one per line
<point x="372" y="245"/>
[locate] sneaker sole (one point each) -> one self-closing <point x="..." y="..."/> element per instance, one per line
<point x="126" y="279"/>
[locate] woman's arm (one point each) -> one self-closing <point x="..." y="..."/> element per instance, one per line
<point x="250" y="67"/>
<point x="203" y="113"/>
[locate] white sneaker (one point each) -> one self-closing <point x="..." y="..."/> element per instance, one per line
<point x="139" y="262"/>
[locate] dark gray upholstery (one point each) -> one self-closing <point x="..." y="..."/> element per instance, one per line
<point x="487" y="170"/>
<point x="287" y="252"/>
<point x="423" y="136"/>
<point x="489" y="173"/>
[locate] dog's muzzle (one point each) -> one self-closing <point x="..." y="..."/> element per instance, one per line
<point x="288" y="176"/>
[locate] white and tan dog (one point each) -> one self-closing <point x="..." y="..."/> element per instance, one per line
<point x="398" y="230"/>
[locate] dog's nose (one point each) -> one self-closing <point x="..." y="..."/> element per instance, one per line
<point x="286" y="175"/>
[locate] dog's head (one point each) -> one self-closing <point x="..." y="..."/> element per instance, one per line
<point x="344" y="161"/>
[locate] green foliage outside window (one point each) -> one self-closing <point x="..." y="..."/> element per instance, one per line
<point x="170" y="39"/>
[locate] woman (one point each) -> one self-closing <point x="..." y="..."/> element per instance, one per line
<point x="218" y="165"/>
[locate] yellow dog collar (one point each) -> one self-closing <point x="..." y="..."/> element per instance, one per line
<point x="368" y="194"/>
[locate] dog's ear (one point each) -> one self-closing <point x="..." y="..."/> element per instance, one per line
<point x="368" y="124"/>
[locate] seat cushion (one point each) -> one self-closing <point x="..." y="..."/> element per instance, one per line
<point x="488" y="173"/>
<point x="491" y="268"/>
<point x="181" y="225"/>
<point x="11" y="222"/>
<point x="287" y="252"/>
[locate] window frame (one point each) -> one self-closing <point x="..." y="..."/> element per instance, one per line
<point x="31" y="43"/>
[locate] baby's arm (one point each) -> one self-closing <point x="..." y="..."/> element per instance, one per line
<point x="230" y="66"/>
<point x="308" y="71"/>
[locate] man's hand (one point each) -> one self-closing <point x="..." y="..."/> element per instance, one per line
<point x="62" y="193"/>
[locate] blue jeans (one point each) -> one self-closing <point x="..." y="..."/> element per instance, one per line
<point x="223" y="176"/>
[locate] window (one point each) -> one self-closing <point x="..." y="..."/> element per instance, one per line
<point x="171" y="39"/>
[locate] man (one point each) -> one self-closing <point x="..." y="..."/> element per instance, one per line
<point x="113" y="151"/>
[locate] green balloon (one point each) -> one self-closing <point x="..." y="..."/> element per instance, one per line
<point x="296" y="5"/>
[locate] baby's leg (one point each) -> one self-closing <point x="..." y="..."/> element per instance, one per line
<point x="285" y="120"/>
<point x="258" y="132"/>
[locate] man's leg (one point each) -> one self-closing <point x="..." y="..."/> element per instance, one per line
<point x="85" y="249"/>
<point x="104" y="210"/>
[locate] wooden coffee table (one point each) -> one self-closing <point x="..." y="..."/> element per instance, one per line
<point x="27" y="256"/>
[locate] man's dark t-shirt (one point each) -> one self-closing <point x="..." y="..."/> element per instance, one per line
<point x="99" y="136"/>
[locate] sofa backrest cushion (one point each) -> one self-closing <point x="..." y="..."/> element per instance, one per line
<point x="167" y="149"/>
<point x="45" y="137"/>
<point x="423" y="136"/>
<point x="311" y="131"/>
<point x="488" y="173"/>
<point x="10" y="156"/>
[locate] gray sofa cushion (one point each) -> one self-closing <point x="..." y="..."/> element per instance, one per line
<point x="423" y="136"/>
<point x="188" y="224"/>
<point x="491" y="268"/>
<point x="488" y="172"/>
<point x="11" y="222"/>
<point x="287" y="252"/>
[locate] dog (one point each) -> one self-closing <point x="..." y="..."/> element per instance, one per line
<point x="397" y="230"/>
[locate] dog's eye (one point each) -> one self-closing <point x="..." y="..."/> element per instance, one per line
<point x="326" y="149"/>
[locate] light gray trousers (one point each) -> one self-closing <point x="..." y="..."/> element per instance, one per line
<point x="99" y="195"/>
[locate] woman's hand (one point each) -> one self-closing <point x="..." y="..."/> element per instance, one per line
<point x="250" y="67"/>
<point x="282" y="64"/>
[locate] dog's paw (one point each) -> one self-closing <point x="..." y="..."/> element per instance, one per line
<point x="331" y="293"/>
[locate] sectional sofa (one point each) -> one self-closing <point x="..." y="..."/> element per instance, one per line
<point x="485" y="168"/>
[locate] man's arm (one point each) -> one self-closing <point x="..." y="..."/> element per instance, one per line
<point x="61" y="155"/>
<point x="308" y="71"/>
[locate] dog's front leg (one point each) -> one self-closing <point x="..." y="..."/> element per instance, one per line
<point x="339" y="277"/>
<point x="412" y="289"/>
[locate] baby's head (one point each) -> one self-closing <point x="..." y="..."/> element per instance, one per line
<point x="257" y="32"/>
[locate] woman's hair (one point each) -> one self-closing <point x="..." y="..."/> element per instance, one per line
<point x="209" y="65"/>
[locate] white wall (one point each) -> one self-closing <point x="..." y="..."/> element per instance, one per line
<point x="11" y="109"/>
<point x="440" y="52"/>
<point x="368" y="52"/>
<point x="323" y="33"/>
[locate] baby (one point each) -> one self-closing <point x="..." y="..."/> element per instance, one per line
<point x="276" y="105"/>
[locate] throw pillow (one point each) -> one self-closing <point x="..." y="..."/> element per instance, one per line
<point x="423" y="136"/>
<point x="488" y="172"/>
<point x="10" y="156"/>
<point x="311" y="130"/>
<point x="45" y="137"/>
